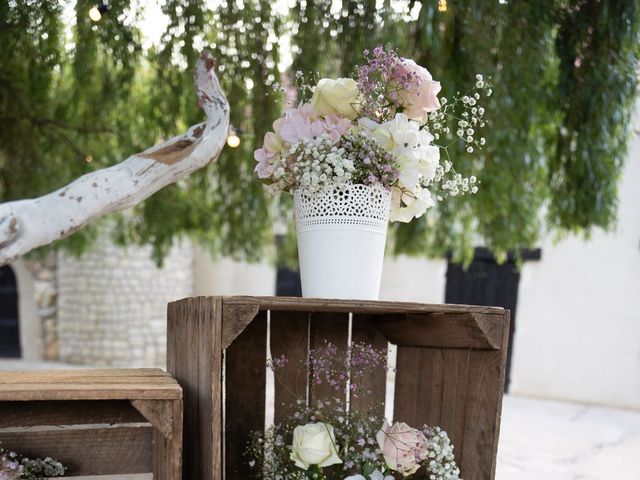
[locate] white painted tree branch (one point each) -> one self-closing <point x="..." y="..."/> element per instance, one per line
<point x="28" y="224"/>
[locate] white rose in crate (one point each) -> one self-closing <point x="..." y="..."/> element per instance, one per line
<point x="340" y="97"/>
<point x="314" y="444"/>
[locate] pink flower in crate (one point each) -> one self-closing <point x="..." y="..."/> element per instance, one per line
<point x="403" y="447"/>
<point x="421" y="94"/>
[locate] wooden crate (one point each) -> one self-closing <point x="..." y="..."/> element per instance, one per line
<point x="96" y="422"/>
<point x="450" y="370"/>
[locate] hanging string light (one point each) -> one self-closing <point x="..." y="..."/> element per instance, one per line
<point x="442" y="5"/>
<point x="96" y="12"/>
<point x="233" y="140"/>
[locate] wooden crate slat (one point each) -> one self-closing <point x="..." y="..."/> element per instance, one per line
<point x="444" y="330"/>
<point x="370" y="390"/>
<point x="112" y="391"/>
<point x="105" y="451"/>
<point x="245" y="377"/>
<point x="354" y="306"/>
<point x="328" y="327"/>
<point x="88" y="382"/>
<point x="289" y="337"/>
<point x="210" y="380"/>
<point x="195" y="365"/>
<point x="114" y="374"/>
<point x="419" y="382"/>
<point x="455" y="400"/>
<point x="75" y="412"/>
<point x="484" y="408"/>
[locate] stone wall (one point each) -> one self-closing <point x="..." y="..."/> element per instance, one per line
<point x="112" y="303"/>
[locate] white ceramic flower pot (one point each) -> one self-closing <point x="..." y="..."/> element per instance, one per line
<point x="342" y="231"/>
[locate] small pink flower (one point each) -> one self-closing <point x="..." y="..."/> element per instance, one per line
<point x="422" y="95"/>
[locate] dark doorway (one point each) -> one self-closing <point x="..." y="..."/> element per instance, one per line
<point x="288" y="283"/>
<point x="485" y="282"/>
<point x="9" y="328"/>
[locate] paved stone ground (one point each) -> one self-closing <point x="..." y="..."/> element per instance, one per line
<point x="540" y="439"/>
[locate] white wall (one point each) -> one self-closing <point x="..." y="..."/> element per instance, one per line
<point x="413" y="279"/>
<point x="227" y="277"/>
<point x="578" y="325"/>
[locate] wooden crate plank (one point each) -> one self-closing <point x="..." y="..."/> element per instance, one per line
<point x="245" y="378"/>
<point x="369" y="395"/>
<point x="328" y="328"/>
<point x="182" y="356"/>
<point x="75" y="412"/>
<point x="46" y="375"/>
<point x="455" y="382"/>
<point x="444" y="330"/>
<point x="483" y="410"/>
<point x="354" y="306"/>
<point x="289" y="337"/>
<point x="419" y="383"/>
<point x="104" y="451"/>
<point x="112" y="391"/>
<point x="210" y="393"/>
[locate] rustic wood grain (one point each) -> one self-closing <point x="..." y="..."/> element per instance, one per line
<point x="289" y="337"/>
<point x="158" y="413"/>
<point x="444" y="330"/>
<point x="245" y="378"/>
<point x="74" y="412"/>
<point x="327" y="327"/>
<point x="235" y="319"/>
<point x="101" y="451"/>
<point x="450" y="370"/>
<point x="484" y="409"/>
<point x="369" y="395"/>
<point x="354" y="306"/>
<point x="195" y="360"/>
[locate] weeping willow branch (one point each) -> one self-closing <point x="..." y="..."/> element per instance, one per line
<point x="28" y="224"/>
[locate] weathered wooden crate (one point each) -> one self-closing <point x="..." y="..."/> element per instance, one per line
<point x="96" y="422"/>
<point x="450" y="370"/>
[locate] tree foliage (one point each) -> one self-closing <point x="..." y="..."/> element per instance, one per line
<point x="77" y="95"/>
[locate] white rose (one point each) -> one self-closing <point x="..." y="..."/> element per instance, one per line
<point x="340" y="97"/>
<point x="314" y="444"/>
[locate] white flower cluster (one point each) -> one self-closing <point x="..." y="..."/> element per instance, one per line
<point x="317" y="164"/>
<point x="452" y="183"/>
<point x="442" y="465"/>
<point x="417" y="158"/>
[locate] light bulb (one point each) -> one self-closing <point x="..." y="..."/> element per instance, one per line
<point x="233" y="140"/>
<point x="94" y="13"/>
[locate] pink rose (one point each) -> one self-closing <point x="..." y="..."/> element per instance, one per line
<point x="403" y="447"/>
<point x="421" y="97"/>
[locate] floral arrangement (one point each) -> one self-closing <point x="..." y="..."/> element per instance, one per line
<point x="14" y="466"/>
<point x="385" y="126"/>
<point x="330" y="441"/>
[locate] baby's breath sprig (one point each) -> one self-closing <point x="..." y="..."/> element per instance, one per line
<point x="466" y="112"/>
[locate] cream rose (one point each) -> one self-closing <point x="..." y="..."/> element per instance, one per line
<point x="314" y="444"/>
<point x="340" y="97"/>
<point x="403" y="447"/>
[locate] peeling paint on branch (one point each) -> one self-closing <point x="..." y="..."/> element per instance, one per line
<point x="28" y="224"/>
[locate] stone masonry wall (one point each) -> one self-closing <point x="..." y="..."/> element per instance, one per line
<point x="112" y="303"/>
